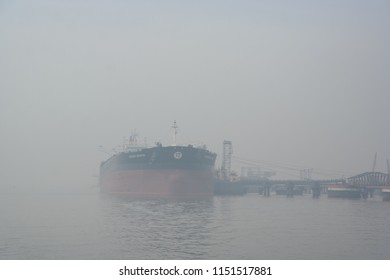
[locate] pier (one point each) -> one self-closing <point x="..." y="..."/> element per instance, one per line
<point x="252" y="179"/>
<point x="363" y="185"/>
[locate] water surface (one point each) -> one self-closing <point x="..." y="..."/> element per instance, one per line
<point x="92" y="226"/>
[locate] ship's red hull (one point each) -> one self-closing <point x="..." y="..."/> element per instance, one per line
<point x="151" y="183"/>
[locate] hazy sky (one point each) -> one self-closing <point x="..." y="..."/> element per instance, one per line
<point x="298" y="84"/>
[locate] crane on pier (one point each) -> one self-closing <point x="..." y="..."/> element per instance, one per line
<point x="226" y="168"/>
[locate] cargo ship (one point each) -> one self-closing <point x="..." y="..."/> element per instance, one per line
<point x="159" y="171"/>
<point x="344" y="191"/>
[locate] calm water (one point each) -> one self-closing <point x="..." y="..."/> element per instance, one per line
<point x="91" y="226"/>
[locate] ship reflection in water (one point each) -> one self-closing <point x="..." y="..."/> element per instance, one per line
<point x="158" y="228"/>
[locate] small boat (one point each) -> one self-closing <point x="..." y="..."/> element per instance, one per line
<point x="385" y="192"/>
<point x="344" y="191"/>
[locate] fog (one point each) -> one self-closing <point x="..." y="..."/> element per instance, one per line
<point x="303" y="84"/>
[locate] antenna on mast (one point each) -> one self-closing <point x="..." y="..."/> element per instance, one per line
<point x="174" y="126"/>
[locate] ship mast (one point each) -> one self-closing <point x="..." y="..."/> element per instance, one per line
<point x="174" y="132"/>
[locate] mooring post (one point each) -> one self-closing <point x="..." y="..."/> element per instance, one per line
<point x="267" y="189"/>
<point x="290" y="189"/>
<point x="316" y="190"/>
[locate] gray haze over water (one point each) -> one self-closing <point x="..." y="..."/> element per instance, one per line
<point x="294" y="84"/>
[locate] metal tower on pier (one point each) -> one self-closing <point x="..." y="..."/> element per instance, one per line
<point x="226" y="160"/>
